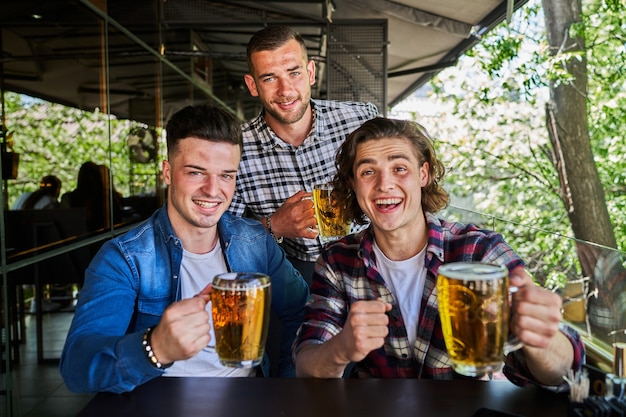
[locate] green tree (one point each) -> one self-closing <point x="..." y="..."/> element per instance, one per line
<point x="566" y="116"/>
<point x="55" y="139"/>
<point x="493" y="133"/>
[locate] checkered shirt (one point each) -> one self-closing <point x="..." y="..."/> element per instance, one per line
<point x="347" y="272"/>
<point x="272" y="170"/>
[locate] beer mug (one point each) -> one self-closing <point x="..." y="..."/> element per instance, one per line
<point x="331" y="222"/>
<point x="240" y="306"/>
<point x="474" y="307"/>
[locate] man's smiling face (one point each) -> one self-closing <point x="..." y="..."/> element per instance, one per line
<point x="201" y="177"/>
<point x="388" y="181"/>
<point x="282" y="80"/>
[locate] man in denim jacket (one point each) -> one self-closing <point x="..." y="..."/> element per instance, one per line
<point x="139" y="289"/>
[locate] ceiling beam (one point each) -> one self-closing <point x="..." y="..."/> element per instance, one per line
<point x="416" y="16"/>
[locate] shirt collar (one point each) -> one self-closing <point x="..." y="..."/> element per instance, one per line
<point x="434" y="245"/>
<point x="435" y="236"/>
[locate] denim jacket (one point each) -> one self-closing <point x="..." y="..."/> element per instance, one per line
<point x="134" y="277"/>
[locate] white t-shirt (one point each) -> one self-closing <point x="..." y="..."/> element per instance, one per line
<point x="406" y="281"/>
<point x="196" y="272"/>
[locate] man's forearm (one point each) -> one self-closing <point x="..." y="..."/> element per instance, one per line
<point x="549" y="365"/>
<point x="319" y="361"/>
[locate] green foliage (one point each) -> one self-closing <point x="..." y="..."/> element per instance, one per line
<point x="606" y="39"/>
<point x="492" y="136"/>
<point x="502" y="50"/>
<point x="55" y="139"/>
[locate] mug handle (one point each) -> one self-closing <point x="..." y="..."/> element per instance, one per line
<point x="514" y="343"/>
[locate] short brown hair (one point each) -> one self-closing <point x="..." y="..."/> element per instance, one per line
<point x="271" y="38"/>
<point x="202" y="121"/>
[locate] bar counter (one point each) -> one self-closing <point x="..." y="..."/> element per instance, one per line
<point x="300" y="397"/>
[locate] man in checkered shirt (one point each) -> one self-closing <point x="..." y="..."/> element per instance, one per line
<point x="291" y="144"/>
<point x="374" y="301"/>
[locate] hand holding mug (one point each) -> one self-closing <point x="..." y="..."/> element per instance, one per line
<point x="183" y="330"/>
<point x="296" y="217"/>
<point x="536" y="311"/>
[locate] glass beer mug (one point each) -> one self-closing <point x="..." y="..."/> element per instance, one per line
<point x="240" y="306"/>
<point x="474" y="307"/>
<point x="331" y="221"/>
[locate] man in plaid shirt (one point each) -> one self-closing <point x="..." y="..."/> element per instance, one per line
<point x="374" y="298"/>
<point x="291" y="144"/>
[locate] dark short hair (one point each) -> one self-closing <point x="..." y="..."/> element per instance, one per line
<point x="203" y="122"/>
<point x="434" y="197"/>
<point x="271" y="38"/>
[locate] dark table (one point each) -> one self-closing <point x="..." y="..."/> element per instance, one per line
<point x="277" y="397"/>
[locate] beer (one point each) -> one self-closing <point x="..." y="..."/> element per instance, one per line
<point x="331" y="221"/>
<point x="474" y="311"/>
<point x="240" y="305"/>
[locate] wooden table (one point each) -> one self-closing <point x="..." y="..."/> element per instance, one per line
<point x="299" y="397"/>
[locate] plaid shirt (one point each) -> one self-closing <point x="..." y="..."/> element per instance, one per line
<point x="272" y="170"/>
<point x="347" y="272"/>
